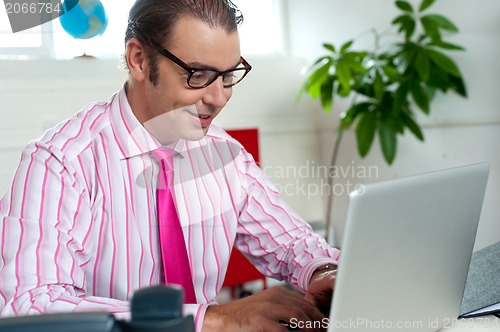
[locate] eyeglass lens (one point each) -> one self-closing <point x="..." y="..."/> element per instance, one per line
<point x="203" y="77"/>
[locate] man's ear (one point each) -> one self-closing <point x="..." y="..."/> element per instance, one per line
<point x="137" y="59"/>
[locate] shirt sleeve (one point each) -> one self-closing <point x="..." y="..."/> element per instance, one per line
<point x="272" y="236"/>
<point x="198" y="313"/>
<point x="45" y="228"/>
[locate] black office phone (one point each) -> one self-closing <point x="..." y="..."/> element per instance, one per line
<point x="154" y="309"/>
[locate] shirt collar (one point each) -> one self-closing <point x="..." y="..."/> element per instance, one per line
<point x="131" y="136"/>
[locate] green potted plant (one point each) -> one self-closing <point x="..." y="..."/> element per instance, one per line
<point x="387" y="85"/>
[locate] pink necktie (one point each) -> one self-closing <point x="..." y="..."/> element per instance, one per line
<point x="173" y="248"/>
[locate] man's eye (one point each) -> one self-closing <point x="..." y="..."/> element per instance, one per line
<point x="199" y="75"/>
<point x="228" y="77"/>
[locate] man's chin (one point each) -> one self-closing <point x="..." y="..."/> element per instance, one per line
<point x="195" y="135"/>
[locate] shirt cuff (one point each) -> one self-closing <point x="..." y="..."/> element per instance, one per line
<point x="198" y="312"/>
<point x="308" y="269"/>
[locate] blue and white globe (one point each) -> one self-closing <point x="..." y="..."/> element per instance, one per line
<point x="84" y="18"/>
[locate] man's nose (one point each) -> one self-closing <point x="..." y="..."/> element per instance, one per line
<point x="217" y="94"/>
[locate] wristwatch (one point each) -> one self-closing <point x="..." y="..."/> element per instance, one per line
<point x="325" y="267"/>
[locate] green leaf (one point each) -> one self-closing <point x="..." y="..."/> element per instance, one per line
<point x="408" y="53"/>
<point x="314" y="90"/>
<point x="327" y="94"/>
<point x="365" y="131"/>
<point x="329" y="47"/>
<point x="403" y="5"/>
<point x="439" y="79"/>
<point x="316" y="80"/>
<point x="344" y="76"/>
<point x="354" y="61"/>
<point x="444" y="62"/>
<point x="314" y="76"/>
<point x="385" y="106"/>
<point x="344" y="47"/>
<point x="412" y="125"/>
<point x="391" y="73"/>
<point x="458" y="85"/>
<point x="425" y="4"/>
<point x="431" y="28"/>
<point x="446" y="46"/>
<point x="353" y="55"/>
<point x="300" y="93"/>
<point x="410" y="29"/>
<point x="401" y="19"/>
<point x="423" y="65"/>
<point x="400" y="96"/>
<point x="343" y="91"/>
<point x="348" y="117"/>
<point x="379" y="87"/>
<point x="388" y="140"/>
<point x="301" y="90"/>
<point x="329" y="58"/>
<point x="420" y="96"/>
<point x="363" y="84"/>
<point x="440" y="21"/>
<point x="407" y="24"/>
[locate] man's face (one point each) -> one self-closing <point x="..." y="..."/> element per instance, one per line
<point x="174" y="110"/>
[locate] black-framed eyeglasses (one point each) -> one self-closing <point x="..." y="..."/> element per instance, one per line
<point x="200" y="78"/>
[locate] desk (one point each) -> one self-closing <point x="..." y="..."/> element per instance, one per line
<point x="482" y="289"/>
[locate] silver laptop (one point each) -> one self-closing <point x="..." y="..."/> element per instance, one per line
<point x="406" y="251"/>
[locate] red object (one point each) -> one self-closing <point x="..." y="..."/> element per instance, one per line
<point x="240" y="270"/>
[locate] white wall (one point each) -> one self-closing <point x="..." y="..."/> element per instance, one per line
<point x="297" y="138"/>
<point x="458" y="131"/>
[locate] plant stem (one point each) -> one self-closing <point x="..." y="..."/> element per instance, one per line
<point x="377" y="40"/>
<point x="329" y="204"/>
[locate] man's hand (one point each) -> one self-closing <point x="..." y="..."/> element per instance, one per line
<point x="321" y="289"/>
<point x="264" y="312"/>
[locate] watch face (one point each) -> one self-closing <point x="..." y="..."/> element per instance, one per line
<point x="326" y="267"/>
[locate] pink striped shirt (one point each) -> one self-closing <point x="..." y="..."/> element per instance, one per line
<point x="79" y="231"/>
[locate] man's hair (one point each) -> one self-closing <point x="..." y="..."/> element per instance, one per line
<point x="152" y="23"/>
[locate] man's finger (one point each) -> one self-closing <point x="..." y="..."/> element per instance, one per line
<point x="293" y="300"/>
<point x="295" y="317"/>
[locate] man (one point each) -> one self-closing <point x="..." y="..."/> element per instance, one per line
<point x="80" y="224"/>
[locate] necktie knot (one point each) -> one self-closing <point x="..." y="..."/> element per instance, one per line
<point x="165" y="157"/>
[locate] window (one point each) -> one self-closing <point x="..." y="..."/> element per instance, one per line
<point x="23" y="43"/>
<point x="261" y="33"/>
